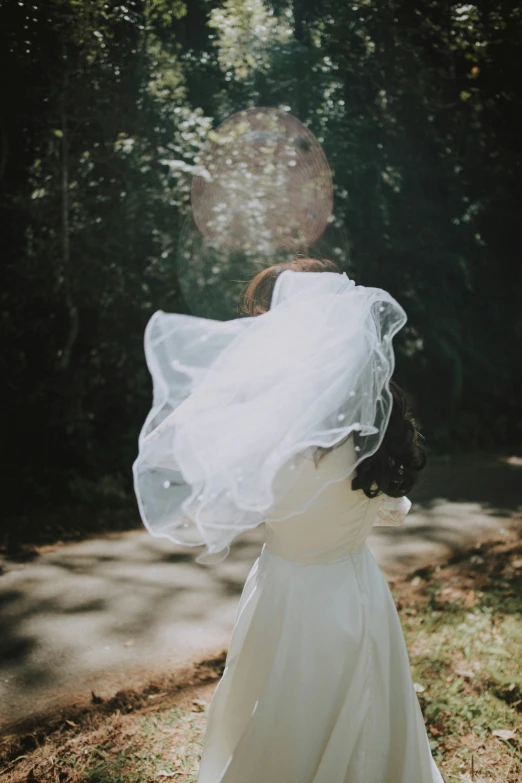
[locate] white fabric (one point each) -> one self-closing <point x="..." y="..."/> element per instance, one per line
<point x="392" y="511"/>
<point x="239" y="405"/>
<point x="317" y="686"/>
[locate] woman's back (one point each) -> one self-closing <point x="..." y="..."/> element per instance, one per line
<point x="337" y="521"/>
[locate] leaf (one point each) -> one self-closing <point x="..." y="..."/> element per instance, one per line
<point x="505" y="734"/>
<point x="465" y="96"/>
<point x="464" y="672"/>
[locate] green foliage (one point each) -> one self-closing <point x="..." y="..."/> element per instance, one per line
<point x="106" y="492"/>
<point x="417" y="108"/>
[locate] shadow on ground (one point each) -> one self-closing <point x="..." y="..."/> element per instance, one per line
<point x="91" y="616"/>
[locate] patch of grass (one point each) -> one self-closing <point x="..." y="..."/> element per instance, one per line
<point x="463" y="628"/>
<point x="166" y="744"/>
<point x="155" y="735"/>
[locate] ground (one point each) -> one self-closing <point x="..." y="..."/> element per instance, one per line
<point x="463" y="626"/>
<point x="455" y="571"/>
<point x="116" y="610"/>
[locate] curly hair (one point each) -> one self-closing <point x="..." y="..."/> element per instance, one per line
<point x="394" y="468"/>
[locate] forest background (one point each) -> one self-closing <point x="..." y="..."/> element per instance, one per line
<point x="105" y="109"/>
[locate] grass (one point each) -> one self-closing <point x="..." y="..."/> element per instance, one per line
<point x="163" y="745"/>
<point x="156" y="734"/>
<point x="463" y="627"/>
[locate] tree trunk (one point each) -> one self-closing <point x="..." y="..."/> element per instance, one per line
<point x="72" y="309"/>
<point x="301" y="103"/>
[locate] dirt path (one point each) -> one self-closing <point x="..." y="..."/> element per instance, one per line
<point x="110" y="612"/>
<point x="450" y="613"/>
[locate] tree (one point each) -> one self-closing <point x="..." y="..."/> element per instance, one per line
<point x="416" y="105"/>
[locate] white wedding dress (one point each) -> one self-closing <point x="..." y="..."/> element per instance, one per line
<point x="317" y="686"/>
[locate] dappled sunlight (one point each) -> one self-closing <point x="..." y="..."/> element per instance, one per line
<point x="88" y="609"/>
<point x="88" y="615"/>
<point x="453" y="506"/>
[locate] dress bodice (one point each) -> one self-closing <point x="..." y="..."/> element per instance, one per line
<point x="337" y="521"/>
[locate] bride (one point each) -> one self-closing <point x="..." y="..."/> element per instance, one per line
<point x="289" y="416"/>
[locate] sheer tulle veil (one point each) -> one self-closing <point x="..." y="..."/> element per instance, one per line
<point x="237" y="404"/>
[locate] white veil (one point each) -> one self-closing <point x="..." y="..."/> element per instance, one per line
<point x="236" y="401"/>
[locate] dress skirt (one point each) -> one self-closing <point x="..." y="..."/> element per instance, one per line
<point x="317" y="686"/>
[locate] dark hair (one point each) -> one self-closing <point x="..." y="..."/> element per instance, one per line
<point x="393" y="469"/>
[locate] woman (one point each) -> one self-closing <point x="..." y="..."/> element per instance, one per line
<point x="315" y="441"/>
